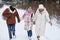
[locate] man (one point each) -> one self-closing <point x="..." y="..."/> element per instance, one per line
<point x="40" y="18"/>
<point x="10" y="14"/>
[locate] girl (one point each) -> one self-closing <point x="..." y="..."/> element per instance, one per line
<point x="28" y="22"/>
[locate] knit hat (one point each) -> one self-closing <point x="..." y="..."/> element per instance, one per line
<point x="13" y="4"/>
<point x="41" y="6"/>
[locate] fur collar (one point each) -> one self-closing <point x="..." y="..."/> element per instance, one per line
<point x="12" y="11"/>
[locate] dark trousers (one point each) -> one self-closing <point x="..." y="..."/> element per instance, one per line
<point x="29" y="33"/>
<point x="11" y="29"/>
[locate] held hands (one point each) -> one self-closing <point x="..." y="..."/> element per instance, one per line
<point x="50" y="23"/>
<point x="34" y="22"/>
<point x="18" y="21"/>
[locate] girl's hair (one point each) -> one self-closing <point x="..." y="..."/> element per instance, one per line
<point x="12" y="9"/>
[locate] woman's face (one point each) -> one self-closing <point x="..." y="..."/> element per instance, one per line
<point x="40" y="10"/>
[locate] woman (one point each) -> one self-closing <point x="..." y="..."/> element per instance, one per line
<point x="40" y="18"/>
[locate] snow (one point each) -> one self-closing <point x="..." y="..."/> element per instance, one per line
<point x="51" y="33"/>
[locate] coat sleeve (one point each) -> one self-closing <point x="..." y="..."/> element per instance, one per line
<point x="17" y="15"/>
<point x="47" y="17"/>
<point x="5" y="13"/>
<point x="35" y="16"/>
<point x="24" y="15"/>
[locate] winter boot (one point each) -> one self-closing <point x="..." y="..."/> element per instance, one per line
<point x="38" y="37"/>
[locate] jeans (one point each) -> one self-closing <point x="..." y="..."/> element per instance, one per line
<point x="11" y="29"/>
<point x="29" y="33"/>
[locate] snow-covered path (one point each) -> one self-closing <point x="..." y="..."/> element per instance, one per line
<point x="52" y="32"/>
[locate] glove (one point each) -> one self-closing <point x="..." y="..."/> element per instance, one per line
<point x="18" y="21"/>
<point x="50" y="23"/>
<point x="34" y="22"/>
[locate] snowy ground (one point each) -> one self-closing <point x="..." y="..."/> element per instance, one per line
<point x="52" y="32"/>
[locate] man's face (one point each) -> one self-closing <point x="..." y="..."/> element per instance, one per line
<point x="14" y="6"/>
<point x="40" y="10"/>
